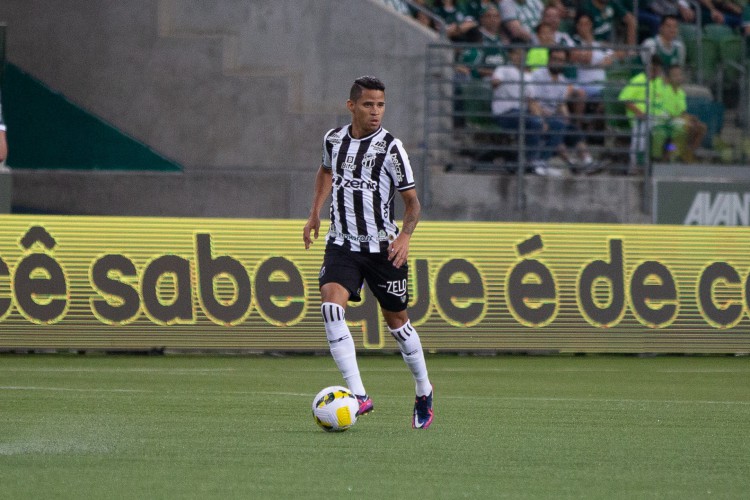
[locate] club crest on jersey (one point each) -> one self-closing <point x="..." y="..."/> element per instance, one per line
<point x="369" y="161"/>
<point x="378" y="147"/>
<point x="349" y="163"/>
<point x="397" y="168"/>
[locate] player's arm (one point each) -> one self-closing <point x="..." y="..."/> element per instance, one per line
<point x="399" y="250"/>
<point x="320" y="195"/>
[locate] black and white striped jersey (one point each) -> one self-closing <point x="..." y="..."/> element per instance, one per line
<point x="366" y="172"/>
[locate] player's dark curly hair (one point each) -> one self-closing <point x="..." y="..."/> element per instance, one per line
<point x="362" y="83"/>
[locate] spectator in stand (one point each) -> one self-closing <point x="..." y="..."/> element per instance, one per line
<point x="606" y="14"/>
<point x="592" y="58"/>
<point x="422" y="16"/>
<point x="457" y="20"/>
<point x="552" y="16"/>
<point x="510" y="98"/>
<point x="685" y="129"/>
<point x="482" y="61"/>
<point x="732" y="11"/>
<point x="644" y="93"/>
<point x="746" y="20"/>
<point x="512" y="26"/>
<point x="553" y="92"/>
<point x="537" y="56"/>
<point x="712" y="13"/>
<point x="3" y="142"/>
<point x="666" y="44"/>
<point x="652" y="12"/>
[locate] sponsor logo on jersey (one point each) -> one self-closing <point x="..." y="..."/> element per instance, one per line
<point x="378" y="147"/>
<point x="322" y="272"/>
<point x="334" y="139"/>
<point x="397" y="168"/>
<point x="349" y="163"/>
<point x="355" y="184"/>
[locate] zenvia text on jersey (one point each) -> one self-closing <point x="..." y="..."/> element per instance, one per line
<point x="355" y="184"/>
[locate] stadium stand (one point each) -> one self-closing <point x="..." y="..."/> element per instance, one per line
<point x="717" y="93"/>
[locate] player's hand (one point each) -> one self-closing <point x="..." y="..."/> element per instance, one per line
<point x="398" y="251"/>
<point x="312" y="226"/>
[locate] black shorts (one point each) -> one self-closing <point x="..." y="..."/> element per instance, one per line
<point x="351" y="269"/>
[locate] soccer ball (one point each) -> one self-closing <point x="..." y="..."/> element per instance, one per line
<point x="335" y="408"/>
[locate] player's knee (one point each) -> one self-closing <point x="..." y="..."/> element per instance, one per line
<point x="332" y="312"/>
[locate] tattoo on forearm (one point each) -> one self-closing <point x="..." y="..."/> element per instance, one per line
<point x="409" y="223"/>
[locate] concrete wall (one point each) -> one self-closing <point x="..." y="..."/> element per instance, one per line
<point x="222" y="83"/>
<point x="281" y="194"/>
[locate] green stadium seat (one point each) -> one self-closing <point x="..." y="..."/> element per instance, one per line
<point x="722" y="44"/>
<point x="717" y="31"/>
<point x="689" y="36"/>
<point x="732" y="55"/>
<point x="711" y="57"/>
<point x="614" y="109"/>
<point x="476" y="97"/>
<point x="709" y="112"/>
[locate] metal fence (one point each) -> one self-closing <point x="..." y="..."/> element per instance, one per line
<point x="463" y="133"/>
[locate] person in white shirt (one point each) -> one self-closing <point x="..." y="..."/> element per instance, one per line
<point x="553" y="92"/>
<point x="513" y="104"/>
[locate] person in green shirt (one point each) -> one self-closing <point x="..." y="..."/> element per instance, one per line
<point x="642" y="97"/>
<point x="686" y="130"/>
<point x="538" y="55"/>
<point x="606" y="14"/>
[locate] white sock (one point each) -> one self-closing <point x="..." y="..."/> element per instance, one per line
<point x="341" y="345"/>
<point x="411" y="351"/>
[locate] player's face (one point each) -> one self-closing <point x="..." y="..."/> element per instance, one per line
<point x="367" y="111"/>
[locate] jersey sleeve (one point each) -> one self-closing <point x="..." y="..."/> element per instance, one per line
<point x="397" y="164"/>
<point x="327" y="148"/>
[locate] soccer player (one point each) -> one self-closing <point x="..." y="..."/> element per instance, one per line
<point x="363" y="166"/>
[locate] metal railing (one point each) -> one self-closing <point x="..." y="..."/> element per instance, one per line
<point x="459" y="100"/>
<point x="462" y="133"/>
<point x="437" y="21"/>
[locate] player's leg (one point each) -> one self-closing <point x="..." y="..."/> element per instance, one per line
<point x="411" y="350"/>
<point x="339" y="283"/>
<point x="389" y="285"/>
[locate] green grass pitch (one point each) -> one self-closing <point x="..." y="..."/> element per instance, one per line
<point x="505" y="427"/>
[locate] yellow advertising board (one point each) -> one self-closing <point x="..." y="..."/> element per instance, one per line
<point x="185" y="283"/>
